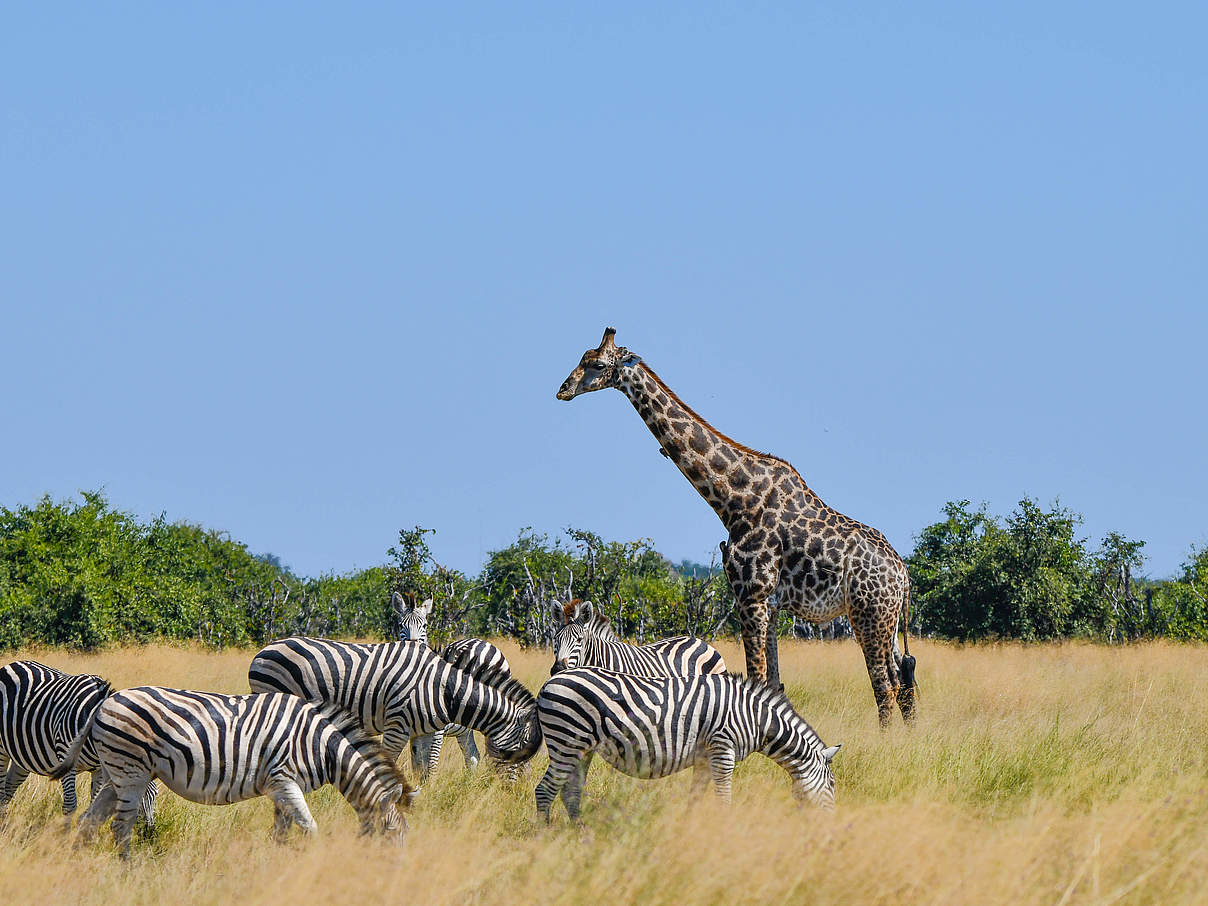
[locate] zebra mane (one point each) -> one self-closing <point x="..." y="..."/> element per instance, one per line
<point x="505" y="684"/>
<point x="601" y="627"/>
<point x="774" y="698"/>
<point x="385" y="768"/>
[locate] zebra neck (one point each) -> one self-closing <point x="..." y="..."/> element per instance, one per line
<point x="475" y="704"/>
<point x="598" y="651"/>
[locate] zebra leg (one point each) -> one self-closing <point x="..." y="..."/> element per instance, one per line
<point x="561" y="766"/>
<point x="13" y="778"/>
<point x="69" y="794"/>
<point x="99" y="810"/>
<point x="290" y="807"/>
<point x="469" y="748"/>
<point x="425" y="754"/>
<point x="572" y="790"/>
<point x="127" y="799"/>
<point x="700" y="774"/>
<point x="146" y="808"/>
<point x="721" y="767"/>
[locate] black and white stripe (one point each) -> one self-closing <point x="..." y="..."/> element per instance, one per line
<point x="217" y="749"/>
<point x="483" y="661"/>
<point x="410" y="617"/>
<point x="42" y="710"/>
<point x="654" y="726"/>
<point x="475" y="656"/>
<point x="585" y="638"/>
<point x="402" y="690"/>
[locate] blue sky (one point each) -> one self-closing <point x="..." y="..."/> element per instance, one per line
<point x="310" y="273"/>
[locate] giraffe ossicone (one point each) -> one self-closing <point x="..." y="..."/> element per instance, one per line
<point x="783" y="540"/>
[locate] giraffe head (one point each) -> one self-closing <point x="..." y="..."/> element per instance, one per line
<point x="599" y="368"/>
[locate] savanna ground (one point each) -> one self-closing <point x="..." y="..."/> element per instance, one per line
<point x="1048" y="774"/>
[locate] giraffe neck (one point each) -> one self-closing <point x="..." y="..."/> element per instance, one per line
<point x="734" y="480"/>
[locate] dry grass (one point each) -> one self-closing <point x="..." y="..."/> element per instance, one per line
<point x="1056" y="774"/>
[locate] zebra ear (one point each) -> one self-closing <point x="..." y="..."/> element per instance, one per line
<point x="425" y="608"/>
<point x="398" y="602"/>
<point x="830" y="752"/>
<point x="584" y="612"/>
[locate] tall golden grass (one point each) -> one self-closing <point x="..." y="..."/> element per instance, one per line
<point x="1035" y="774"/>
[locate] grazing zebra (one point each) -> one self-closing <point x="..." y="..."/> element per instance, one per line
<point x="217" y="749"/>
<point x="654" y="726"/>
<point x="402" y="690"/>
<point x="41" y="711"/>
<point x="475" y="656"/>
<point x="483" y="661"/>
<point x="585" y="638"/>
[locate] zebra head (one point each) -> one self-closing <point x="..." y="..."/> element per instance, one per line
<point x="516" y="745"/>
<point x="813" y="780"/>
<point x="412" y="618"/>
<point x="572" y="618"/>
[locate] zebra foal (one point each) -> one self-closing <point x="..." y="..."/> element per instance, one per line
<point x="42" y="710"/>
<point x="585" y="638"/>
<point x="654" y="726"/>
<point x="218" y="749"/>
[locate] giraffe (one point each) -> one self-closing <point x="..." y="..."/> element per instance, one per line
<point x="783" y="540"/>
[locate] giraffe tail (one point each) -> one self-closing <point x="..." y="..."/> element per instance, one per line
<point x="906" y="669"/>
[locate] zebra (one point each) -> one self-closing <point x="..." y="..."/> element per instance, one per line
<point x="585" y="638"/>
<point x="42" y="710"/>
<point x="403" y="690"/>
<point x="412" y="620"/>
<point x="654" y="726"/>
<point x="217" y="749"/>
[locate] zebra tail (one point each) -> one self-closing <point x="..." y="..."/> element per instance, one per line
<point x="67" y="765"/>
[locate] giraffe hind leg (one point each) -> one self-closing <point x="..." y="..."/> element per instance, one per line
<point x="882" y="671"/>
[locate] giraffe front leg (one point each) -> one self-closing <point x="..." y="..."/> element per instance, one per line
<point x="752" y="584"/>
<point x="770" y="651"/>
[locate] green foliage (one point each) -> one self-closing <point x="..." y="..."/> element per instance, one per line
<point x="83" y="574"/>
<point x="1182" y="605"/>
<point x="1025" y="577"/>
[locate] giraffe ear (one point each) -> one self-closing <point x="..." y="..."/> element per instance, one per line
<point x="628" y="359"/>
<point x="830" y="752"/>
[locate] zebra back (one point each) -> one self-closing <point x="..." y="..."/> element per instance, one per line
<point x="585" y="638"/>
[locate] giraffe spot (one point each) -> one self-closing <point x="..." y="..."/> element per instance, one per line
<point x="717" y="463"/>
<point x="740" y="479"/>
<point x="699" y="442"/>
